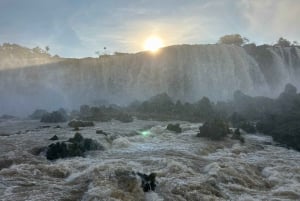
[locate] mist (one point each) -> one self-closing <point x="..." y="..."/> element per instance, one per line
<point x="31" y="80"/>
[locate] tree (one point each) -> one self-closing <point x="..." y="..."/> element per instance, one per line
<point x="295" y="43"/>
<point x="283" y="42"/>
<point x="233" y="39"/>
<point x="97" y="53"/>
<point x="47" y="48"/>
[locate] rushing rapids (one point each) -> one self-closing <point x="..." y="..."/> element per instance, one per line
<point x="187" y="167"/>
<point x="185" y="72"/>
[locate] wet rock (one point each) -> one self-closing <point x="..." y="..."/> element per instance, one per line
<point x="53" y="117"/>
<point x="76" y="129"/>
<point x="237" y="136"/>
<point x="101" y="132"/>
<point x="78" y="123"/>
<point x="215" y="129"/>
<point x="58" y="126"/>
<point x="148" y="181"/>
<point x="44" y="126"/>
<point x="75" y="146"/>
<point x="54" y="138"/>
<point x="174" y="127"/>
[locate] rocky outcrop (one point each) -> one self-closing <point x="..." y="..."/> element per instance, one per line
<point x="174" y="127"/>
<point x="215" y="129"/>
<point x="78" y="123"/>
<point x="75" y="146"/>
<point x="54" y="117"/>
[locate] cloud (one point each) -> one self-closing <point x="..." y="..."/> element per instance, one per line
<point x="79" y="28"/>
<point x="271" y="19"/>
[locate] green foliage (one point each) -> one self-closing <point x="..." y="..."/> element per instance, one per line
<point x="54" y="117"/>
<point x="215" y="129"/>
<point x="233" y="39"/>
<point x="283" y="42"/>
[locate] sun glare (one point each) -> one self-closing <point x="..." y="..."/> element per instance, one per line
<point x="153" y="43"/>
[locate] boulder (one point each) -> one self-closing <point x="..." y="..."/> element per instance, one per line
<point x="148" y="181"/>
<point x="101" y="132"/>
<point x="77" y="123"/>
<point x="174" y="127"/>
<point x="75" y="146"/>
<point x="237" y="136"/>
<point x="54" y="138"/>
<point x="215" y="129"/>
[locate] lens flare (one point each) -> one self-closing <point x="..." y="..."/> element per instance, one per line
<point x="153" y="43"/>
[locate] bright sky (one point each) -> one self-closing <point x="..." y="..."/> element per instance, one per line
<point x="79" y="28"/>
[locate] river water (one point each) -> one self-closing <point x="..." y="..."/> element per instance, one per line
<point x="187" y="167"/>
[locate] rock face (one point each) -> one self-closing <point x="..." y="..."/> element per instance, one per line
<point x="75" y="146"/>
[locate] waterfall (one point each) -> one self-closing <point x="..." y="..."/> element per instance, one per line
<point x="185" y="72"/>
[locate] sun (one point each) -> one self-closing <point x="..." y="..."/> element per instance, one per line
<point x="153" y="43"/>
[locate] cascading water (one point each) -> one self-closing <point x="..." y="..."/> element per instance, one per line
<point x="185" y="72"/>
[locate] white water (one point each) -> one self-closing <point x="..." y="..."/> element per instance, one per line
<point x="187" y="167"/>
<point x="186" y="72"/>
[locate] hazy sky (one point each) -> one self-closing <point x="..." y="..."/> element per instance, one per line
<point x="78" y="28"/>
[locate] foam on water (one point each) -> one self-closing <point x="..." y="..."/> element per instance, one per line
<point x="187" y="167"/>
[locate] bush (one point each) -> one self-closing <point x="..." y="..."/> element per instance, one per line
<point x="215" y="129"/>
<point x="53" y="117"/>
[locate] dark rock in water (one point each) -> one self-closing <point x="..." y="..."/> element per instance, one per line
<point x="101" y="132"/>
<point x="76" y="129"/>
<point x="53" y="117"/>
<point x="57" y="150"/>
<point x="75" y="146"/>
<point x="38" y="114"/>
<point x="237" y="136"/>
<point x="58" y="126"/>
<point x="44" y="126"/>
<point x="174" y="127"/>
<point x="78" y="123"/>
<point x="214" y="129"/>
<point x="148" y="181"/>
<point x="54" y="138"/>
